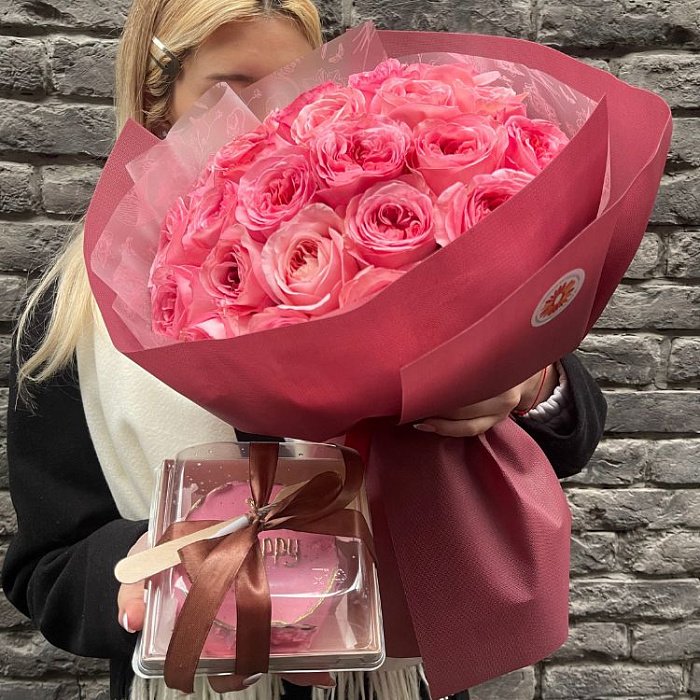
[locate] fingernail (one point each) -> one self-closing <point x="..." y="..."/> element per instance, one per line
<point x="145" y="595"/>
<point x="125" y="624"/>
<point x="252" y="679"/>
<point x="424" y="427"/>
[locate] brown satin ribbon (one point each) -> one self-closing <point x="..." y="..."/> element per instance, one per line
<point x="214" y="565"/>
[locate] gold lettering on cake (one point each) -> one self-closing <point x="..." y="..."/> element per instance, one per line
<point x="280" y="548"/>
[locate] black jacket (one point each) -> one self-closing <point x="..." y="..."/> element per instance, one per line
<point x="59" y="567"/>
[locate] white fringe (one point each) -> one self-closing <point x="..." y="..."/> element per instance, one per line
<point x="399" y="684"/>
<point x="269" y="687"/>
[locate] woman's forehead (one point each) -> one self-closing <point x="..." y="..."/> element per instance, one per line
<point x="251" y="48"/>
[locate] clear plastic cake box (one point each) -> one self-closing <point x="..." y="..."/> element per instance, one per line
<point x="326" y="613"/>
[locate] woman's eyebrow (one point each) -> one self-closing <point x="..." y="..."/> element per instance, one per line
<point x="241" y="77"/>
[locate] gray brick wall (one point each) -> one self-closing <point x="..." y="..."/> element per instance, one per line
<point x="635" y="594"/>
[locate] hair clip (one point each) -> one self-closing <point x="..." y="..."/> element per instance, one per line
<point x="172" y="67"/>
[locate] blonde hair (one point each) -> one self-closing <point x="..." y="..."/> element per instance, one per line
<point x="143" y="93"/>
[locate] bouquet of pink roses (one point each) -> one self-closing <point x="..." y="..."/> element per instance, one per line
<point x="339" y="194"/>
<point x="423" y="235"/>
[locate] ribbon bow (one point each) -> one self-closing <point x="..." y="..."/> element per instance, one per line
<point x="214" y="565"/>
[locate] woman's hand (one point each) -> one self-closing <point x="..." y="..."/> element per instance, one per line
<point x="132" y="611"/>
<point x="130" y="599"/>
<point x="479" y="417"/>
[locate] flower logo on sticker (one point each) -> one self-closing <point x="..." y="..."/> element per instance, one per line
<point x="558" y="297"/>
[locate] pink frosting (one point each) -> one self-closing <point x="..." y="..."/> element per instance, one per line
<point x="301" y="574"/>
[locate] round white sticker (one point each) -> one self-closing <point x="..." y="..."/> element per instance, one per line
<point x="558" y="297"/>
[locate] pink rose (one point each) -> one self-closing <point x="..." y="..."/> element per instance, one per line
<point x="280" y="120"/>
<point x="413" y="100"/>
<point x="461" y="207"/>
<point x="391" y="224"/>
<point x="174" y="226"/>
<point x="275" y="317"/>
<point x="305" y="263"/>
<point x="236" y="157"/>
<point x="216" y="325"/>
<point x="366" y="284"/>
<point x="533" y="143"/>
<point x="274" y="190"/>
<point x="193" y="225"/>
<point x="212" y="208"/>
<point x="458" y="149"/>
<point x="176" y="298"/>
<point x="349" y="155"/>
<point x="369" y="81"/>
<point x="228" y="273"/>
<point x="499" y="102"/>
<point x="334" y="104"/>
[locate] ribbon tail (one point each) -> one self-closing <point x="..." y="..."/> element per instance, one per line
<point x="253" y="616"/>
<point x="199" y="609"/>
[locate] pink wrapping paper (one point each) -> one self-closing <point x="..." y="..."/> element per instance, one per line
<point x="472" y="535"/>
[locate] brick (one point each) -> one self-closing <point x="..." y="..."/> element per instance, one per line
<point x="680" y="509"/>
<point x="647" y="259"/>
<point x="615" y="509"/>
<point x="56" y="129"/>
<point x="517" y="685"/>
<point x="622" y="359"/>
<point x="675" y="463"/>
<point x="19" y="193"/>
<point x="674" y="76"/>
<point x="23" y="65"/>
<point x="12" y="289"/>
<point x="67" y="189"/>
<point x="4" y="478"/>
<point x="505" y="18"/>
<point x="624" y="599"/>
<point x="590" y="680"/>
<point x="646" y="306"/>
<point x="685" y="145"/>
<point x="94" y="15"/>
<point x="666" y="643"/>
<point x="615" y="463"/>
<point x="627" y="509"/>
<point x="28" y="246"/>
<point x="10" y="617"/>
<point x="694" y="684"/>
<point x="666" y="554"/>
<point x="8" y="518"/>
<point x="4" y="398"/>
<point x="652" y="411"/>
<point x="683" y="255"/>
<point x="678" y="199"/>
<point x="592" y="552"/>
<point x="599" y="63"/>
<point x="5" y="342"/>
<point x="94" y="689"/>
<point x="68" y="689"/>
<point x="600" y="24"/>
<point x="684" y="361"/>
<point x="604" y="639"/>
<point x="28" y="654"/>
<point x="332" y="17"/>
<point x="84" y="66"/>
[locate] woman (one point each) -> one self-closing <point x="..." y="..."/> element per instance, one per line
<point x="83" y="444"/>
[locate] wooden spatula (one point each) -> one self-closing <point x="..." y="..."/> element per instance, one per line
<point x="141" y="565"/>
